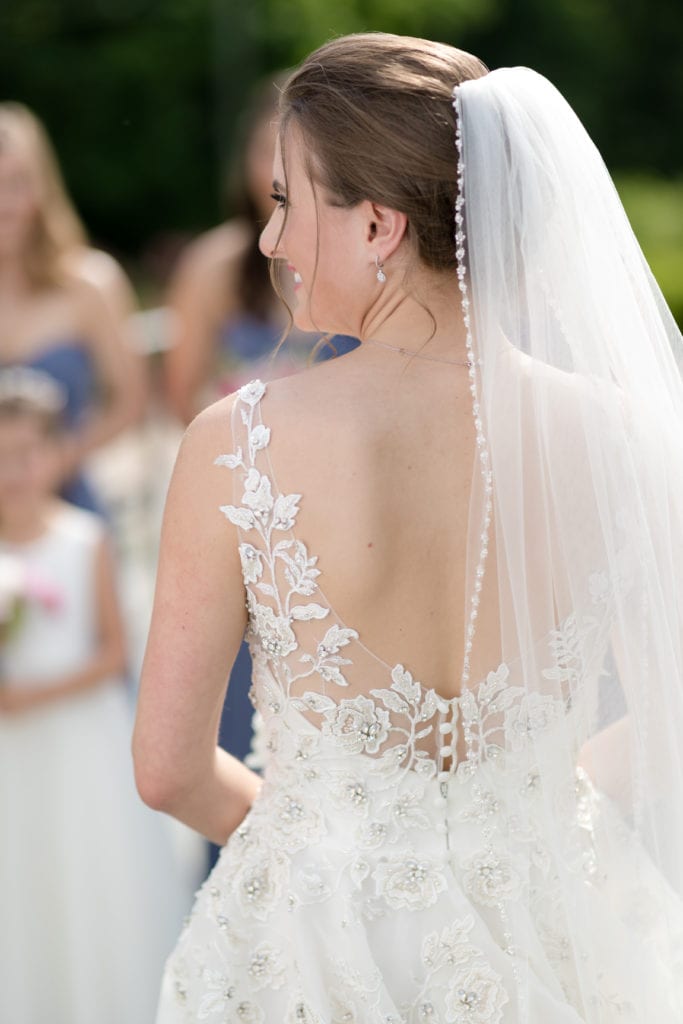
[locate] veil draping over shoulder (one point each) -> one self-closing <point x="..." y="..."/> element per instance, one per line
<point x="576" y="567"/>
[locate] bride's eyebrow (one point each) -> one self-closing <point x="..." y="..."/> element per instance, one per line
<point x="278" y="186"/>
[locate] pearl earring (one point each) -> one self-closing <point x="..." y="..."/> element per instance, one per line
<point x="381" y="276"/>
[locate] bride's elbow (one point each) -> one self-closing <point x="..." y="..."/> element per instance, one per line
<point x="157" y="782"/>
<point x="153" y="790"/>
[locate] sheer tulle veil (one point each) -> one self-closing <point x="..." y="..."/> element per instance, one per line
<point x="576" y="524"/>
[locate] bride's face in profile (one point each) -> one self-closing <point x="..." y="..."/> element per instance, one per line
<point x="322" y="245"/>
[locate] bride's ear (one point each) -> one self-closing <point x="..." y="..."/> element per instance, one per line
<point x="384" y="229"/>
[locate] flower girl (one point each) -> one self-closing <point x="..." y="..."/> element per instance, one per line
<point x="88" y="889"/>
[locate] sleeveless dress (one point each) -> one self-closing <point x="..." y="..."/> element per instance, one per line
<point x="244" y="346"/>
<point x="89" y="894"/>
<point x="370" y="884"/>
<point x="68" y="361"/>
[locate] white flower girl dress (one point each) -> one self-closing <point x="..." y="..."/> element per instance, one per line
<point x="90" y="896"/>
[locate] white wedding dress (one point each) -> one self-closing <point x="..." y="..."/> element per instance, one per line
<point x="91" y="898"/>
<point x="396" y="866"/>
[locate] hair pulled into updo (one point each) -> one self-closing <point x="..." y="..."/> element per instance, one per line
<point x="376" y="116"/>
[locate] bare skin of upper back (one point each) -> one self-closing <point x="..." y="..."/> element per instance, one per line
<point x="381" y="448"/>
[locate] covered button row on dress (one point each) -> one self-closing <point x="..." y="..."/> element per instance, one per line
<point x="446" y="737"/>
<point x="443" y="776"/>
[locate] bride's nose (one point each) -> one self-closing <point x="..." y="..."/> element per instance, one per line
<point x="269" y="241"/>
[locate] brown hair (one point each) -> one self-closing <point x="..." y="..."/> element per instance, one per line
<point x="58" y="229"/>
<point x="375" y="111"/>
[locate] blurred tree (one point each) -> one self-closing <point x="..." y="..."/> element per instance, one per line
<point x="619" y="62"/>
<point x="297" y="26"/>
<point x="141" y="96"/>
<point x="124" y="91"/>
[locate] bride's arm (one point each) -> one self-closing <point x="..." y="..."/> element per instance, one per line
<point x="197" y="626"/>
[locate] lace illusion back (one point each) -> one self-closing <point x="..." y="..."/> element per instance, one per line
<point x="309" y="661"/>
<point x="408" y="858"/>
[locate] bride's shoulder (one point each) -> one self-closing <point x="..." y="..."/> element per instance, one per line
<point x="309" y="403"/>
<point x="299" y="409"/>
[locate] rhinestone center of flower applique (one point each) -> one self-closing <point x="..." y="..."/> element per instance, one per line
<point x="411" y="726"/>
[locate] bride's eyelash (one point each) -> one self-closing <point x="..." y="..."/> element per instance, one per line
<point x="279" y="198"/>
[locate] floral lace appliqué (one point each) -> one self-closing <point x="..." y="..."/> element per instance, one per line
<point x="369" y="812"/>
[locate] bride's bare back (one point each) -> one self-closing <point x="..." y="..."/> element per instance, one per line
<point x="381" y="449"/>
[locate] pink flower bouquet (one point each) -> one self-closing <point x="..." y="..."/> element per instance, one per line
<point x="20" y="586"/>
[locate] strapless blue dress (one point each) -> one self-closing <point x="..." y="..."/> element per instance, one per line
<point x="245" y="347"/>
<point x="69" y="362"/>
<point x="246" y="339"/>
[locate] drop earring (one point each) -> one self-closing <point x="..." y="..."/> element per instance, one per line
<point x="381" y="276"/>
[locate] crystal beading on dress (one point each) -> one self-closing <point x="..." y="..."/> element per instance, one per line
<point x="371" y="882"/>
<point x="352" y="816"/>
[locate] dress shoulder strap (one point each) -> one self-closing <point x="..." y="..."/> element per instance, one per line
<point x="291" y="625"/>
<point x="258" y="506"/>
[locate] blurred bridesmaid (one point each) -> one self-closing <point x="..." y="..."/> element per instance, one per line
<point x="63" y="305"/>
<point x="226" y="317"/>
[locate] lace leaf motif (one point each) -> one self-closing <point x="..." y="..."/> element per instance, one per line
<point x="495" y="715"/>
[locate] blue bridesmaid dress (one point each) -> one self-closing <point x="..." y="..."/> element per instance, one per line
<point x="69" y="362"/>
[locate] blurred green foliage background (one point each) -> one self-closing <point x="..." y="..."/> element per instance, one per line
<point x="141" y="97"/>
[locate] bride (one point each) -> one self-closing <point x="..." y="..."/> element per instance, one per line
<point x="457" y="555"/>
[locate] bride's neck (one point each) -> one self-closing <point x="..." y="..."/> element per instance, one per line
<point x="428" y="320"/>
